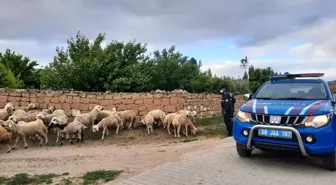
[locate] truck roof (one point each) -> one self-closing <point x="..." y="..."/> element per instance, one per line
<point x="297" y="81"/>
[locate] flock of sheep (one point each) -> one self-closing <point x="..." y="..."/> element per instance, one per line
<point x="30" y="122"/>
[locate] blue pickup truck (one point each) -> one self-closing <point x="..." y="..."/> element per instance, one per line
<point x="293" y="112"/>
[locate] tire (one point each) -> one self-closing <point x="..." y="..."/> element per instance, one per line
<point x="242" y="152"/>
<point x="329" y="161"/>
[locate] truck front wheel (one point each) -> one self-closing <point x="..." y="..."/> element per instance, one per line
<point x="243" y="152"/>
<point x="329" y="161"/>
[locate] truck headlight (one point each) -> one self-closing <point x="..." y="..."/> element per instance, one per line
<point x="243" y="116"/>
<point x="317" y="121"/>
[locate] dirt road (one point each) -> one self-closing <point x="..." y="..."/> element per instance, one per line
<point x="131" y="151"/>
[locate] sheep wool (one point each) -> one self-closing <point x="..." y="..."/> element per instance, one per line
<point x="74" y="127"/>
<point x="27" y="129"/>
<point x="90" y="117"/>
<point x="58" y="123"/>
<point x="5" y="137"/>
<point x="158" y="116"/>
<point x="168" y="121"/>
<point x="183" y="120"/>
<point x="7" y="111"/>
<point x="148" y="120"/>
<point x="127" y="116"/>
<point x="112" y="120"/>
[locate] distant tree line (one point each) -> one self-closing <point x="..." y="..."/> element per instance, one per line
<point x="121" y="67"/>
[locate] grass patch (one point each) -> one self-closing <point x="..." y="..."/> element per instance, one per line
<point x="67" y="182"/>
<point x="215" y="120"/>
<point x="25" y="179"/>
<point x="88" y="179"/>
<point x="92" y="177"/>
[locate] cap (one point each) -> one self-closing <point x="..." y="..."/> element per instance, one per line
<point x="224" y="86"/>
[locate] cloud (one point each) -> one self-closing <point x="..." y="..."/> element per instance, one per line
<point x="158" y="21"/>
<point x="317" y="54"/>
<point x="259" y="27"/>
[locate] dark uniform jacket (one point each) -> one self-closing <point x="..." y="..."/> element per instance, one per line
<point x="227" y="102"/>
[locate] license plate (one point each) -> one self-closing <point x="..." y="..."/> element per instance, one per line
<point x="275" y="133"/>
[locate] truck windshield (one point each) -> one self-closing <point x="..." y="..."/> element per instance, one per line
<point x="299" y="91"/>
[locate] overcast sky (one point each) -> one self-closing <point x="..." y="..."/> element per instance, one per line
<point x="288" y="35"/>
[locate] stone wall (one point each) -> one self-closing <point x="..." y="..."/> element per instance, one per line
<point x="205" y="104"/>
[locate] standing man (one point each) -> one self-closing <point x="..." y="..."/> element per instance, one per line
<point x="227" y="108"/>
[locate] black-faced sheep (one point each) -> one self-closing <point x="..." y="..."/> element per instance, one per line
<point x="34" y="129"/>
<point x="127" y="116"/>
<point x="7" y="111"/>
<point x="58" y="123"/>
<point x="148" y="120"/>
<point x="112" y="120"/>
<point x="74" y="127"/>
<point x="89" y="118"/>
<point x="183" y="120"/>
<point x="158" y="116"/>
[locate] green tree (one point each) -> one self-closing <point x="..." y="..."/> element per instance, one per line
<point x="87" y="66"/>
<point x="7" y="78"/>
<point x="258" y="76"/>
<point x="22" y="68"/>
<point x="244" y="63"/>
<point x="125" y="67"/>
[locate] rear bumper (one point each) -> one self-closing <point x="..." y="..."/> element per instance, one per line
<point x="324" y="138"/>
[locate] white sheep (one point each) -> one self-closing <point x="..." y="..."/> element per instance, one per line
<point x="23" y="111"/>
<point x="7" y="111"/>
<point x="112" y="120"/>
<point x="29" y="107"/>
<point x="26" y="118"/>
<point x="183" y="120"/>
<point x="90" y="117"/>
<point x="74" y="127"/>
<point x="148" y="120"/>
<point x="48" y="111"/>
<point x="193" y="115"/>
<point x="127" y="116"/>
<point x="58" y="123"/>
<point x="24" y="129"/>
<point x="59" y="112"/>
<point x="158" y="116"/>
<point x="168" y="121"/>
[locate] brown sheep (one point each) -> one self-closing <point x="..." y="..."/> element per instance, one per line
<point x="5" y="137"/>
